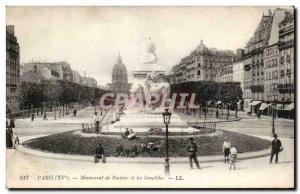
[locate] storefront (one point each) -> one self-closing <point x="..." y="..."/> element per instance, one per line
<point x="255" y="106"/>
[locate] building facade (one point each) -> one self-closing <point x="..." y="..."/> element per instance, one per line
<point x="76" y="78"/>
<point x="53" y="71"/>
<point x="203" y="64"/>
<point x="225" y="74"/>
<point x="12" y="69"/>
<point x="264" y="60"/>
<point x="253" y="56"/>
<point x="286" y="87"/>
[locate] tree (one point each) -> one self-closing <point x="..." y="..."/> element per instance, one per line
<point x="229" y="93"/>
<point x="206" y="91"/>
<point x="30" y="95"/>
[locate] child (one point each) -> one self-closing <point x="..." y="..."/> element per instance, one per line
<point x="226" y="147"/>
<point x="16" y="139"/>
<point x="233" y="157"/>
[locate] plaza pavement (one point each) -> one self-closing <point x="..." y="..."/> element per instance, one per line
<point x="251" y="173"/>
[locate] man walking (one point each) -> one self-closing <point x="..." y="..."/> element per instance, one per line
<point x="45" y="116"/>
<point x="74" y="112"/>
<point x="96" y="122"/>
<point x="192" y="150"/>
<point x="276" y="148"/>
<point x="32" y="117"/>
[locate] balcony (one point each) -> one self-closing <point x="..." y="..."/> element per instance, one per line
<point x="257" y="88"/>
<point x="257" y="51"/>
<point x="286" y="30"/>
<point x="285" y="88"/>
<point x="285" y="44"/>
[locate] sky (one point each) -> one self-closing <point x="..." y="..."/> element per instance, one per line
<point x="91" y="38"/>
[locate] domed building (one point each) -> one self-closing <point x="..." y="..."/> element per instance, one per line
<point x="119" y="78"/>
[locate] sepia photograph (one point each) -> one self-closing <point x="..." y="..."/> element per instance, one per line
<point x="150" y="97"/>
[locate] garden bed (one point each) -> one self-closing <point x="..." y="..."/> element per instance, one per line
<point x="70" y="143"/>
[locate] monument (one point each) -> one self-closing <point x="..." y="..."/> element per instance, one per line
<point x="149" y="80"/>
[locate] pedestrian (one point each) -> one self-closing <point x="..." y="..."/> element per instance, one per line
<point x="74" y="112"/>
<point x="144" y="148"/>
<point x="9" y="142"/>
<point x="9" y="133"/>
<point x="45" y="116"/>
<point x="96" y="122"/>
<point x="134" y="151"/>
<point x="32" y="117"/>
<point x="119" y="150"/>
<point x="226" y="147"/>
<point x="276" y="148"/>
<point x="99" y="153"/>
<point x="126" y="133"/>
<point x="131" y="135"/>
<point x="16" y="139"/>
<point x="233" y="156"/>
<point x="192" y="150"/>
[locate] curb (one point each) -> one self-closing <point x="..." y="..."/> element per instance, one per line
<point x="143" y="160"/>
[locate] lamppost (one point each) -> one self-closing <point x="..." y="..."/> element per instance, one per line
<point x="94" y="100"/>
<point x="167" y="118"/>
<point x="274" y="114"/>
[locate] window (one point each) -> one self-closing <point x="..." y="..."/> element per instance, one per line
<point x="199" y="72"/>
<point x="282" y="73"/>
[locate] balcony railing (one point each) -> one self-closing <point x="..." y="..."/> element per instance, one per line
<point x="257" y="51"/>
<point x="284" y="44"/>
<point x="286" y="29"/>
<point x="285" y="88"/>
<point x="257" y="88"/>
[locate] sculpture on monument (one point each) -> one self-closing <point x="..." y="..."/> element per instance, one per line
<point x="149" y="82"/>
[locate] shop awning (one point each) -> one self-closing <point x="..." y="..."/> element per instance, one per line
<point x="279" y="106"/>
<point x="263" y="106"/>
<point x="290" y="107"/>
<point x="219" y="102"/>
<point x="254" y="103"/>
<point x="239" y="102"/>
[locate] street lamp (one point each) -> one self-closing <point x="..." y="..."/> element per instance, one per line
<point x="274" y="114"/>
<point x="167" y="118"/>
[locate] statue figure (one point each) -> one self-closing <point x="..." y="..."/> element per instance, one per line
<point x="149" y="56"/>
<point x="152" y="84"/>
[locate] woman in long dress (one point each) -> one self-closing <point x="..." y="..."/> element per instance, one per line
<point x="9" y="133"/>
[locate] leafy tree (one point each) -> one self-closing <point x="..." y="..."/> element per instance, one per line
<point x="206" y="91"/>
<point x="30" y="94"/>
<point x="229" y="93"/>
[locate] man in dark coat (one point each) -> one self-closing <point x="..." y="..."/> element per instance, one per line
<point x="192" y="150"/>
<point x="126" y="133"/>
<point x="119" y="150"/>
<point x="276" y="148"/>
<point x="99" y="153"/>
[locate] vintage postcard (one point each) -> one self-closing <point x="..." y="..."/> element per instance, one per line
<point x="150" y="97"/>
